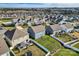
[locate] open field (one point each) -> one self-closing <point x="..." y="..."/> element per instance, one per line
<point x="64" y="37"/>
<point x="34" y="49"/>
<point x="49" y="43"/>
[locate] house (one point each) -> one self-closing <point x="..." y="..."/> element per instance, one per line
<point x="7" y="23"/>
<point x="67" y="27"/>
<point x="53" y="29"/>
<point x="38" y="21"/>
<point x="16" y="36"/>
<point x="36" y="31"/>
<point x="14" y="21"/>
<point x="4" y="50"/>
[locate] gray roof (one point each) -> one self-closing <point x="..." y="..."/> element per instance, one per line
<point x="38" y="28"/>
<point x="55" y="27"/>
<point x="15" y="33"/>
<point x="3" y="46"/>
<point x="68" y="25"/>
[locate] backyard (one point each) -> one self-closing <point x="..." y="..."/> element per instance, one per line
<point x="76" y="45"/>
<point x="64" y="37"/>
<point x="6" y="19"/>
<point x="49" y="43"/>
<point x="24" y="25"/>
<point x="36" y="51"/>
<point x="76" y="34"/>
<point x="66" y="52"/>
<point x="9" y="28"/>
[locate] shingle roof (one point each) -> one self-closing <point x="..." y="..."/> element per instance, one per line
<point x="38" y="28"/>
<point x="68" y="25"/>
<point x="55" y="27"/>
<point x="3" y="46"/>
<point x="15" y="33"/>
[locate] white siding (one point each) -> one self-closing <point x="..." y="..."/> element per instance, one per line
<point x="6" y="54"/>
<point x="17" y="41"/>
<point x="40" y="34"/>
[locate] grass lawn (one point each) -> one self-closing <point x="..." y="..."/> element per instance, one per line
<point x="49" y="43"/>
<point x="64" y="37"/>
<point x="6" y="19"/>
<point x="34" y="49"/>
<point x="1" y="22"/>
<point x="66" y="52"/>
<point x="25" y="26"/>
<point x="9" y="28"/>
<point x="76" y="45"/>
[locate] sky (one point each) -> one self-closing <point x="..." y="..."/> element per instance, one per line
<point x="37" y="5"/>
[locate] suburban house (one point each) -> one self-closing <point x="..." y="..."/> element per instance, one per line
<point x="53" y="29"/>
<point x="4" y="50"/>
<point x="14" y="21"/>
<point x="36" y="31"/>
<point x="7" y="23"/>
<point x="16" y="36"/>
<point x="67" y="27"/>
<point x="38" y="21"/>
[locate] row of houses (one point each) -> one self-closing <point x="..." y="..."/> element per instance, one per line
<point x="19" y="36"/>
<point x="40" y="30"/>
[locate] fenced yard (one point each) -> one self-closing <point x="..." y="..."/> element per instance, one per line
<point x="66" y="52"/>
<point x="49" y="43"/>
<point x="6" y="19"/>
<point x="75" y="34"/>
<point x="36" y="51"/>
<point x="9" y="28"/>
<point x="64" y="37"/>
<point x="76" y="45"/>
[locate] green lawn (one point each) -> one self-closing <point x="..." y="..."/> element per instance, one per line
<point x="1" y="22"/>
<point x="6" y="19"/>
<point x="66" y="52"/>
<point x="9" y="28"/>
<point x="76" y="45"/>
<point x="53" y="45"/>
<point x="24" y="25"/>
<point x="49" y="43"/>
<point x="64" y="37"/>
